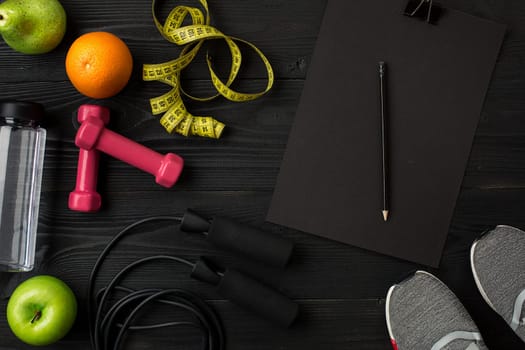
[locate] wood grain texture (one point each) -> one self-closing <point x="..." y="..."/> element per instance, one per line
<point x="341" y="289"/>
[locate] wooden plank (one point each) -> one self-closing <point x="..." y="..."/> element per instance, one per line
<point x="265" y="120"/>
<point x="362" y="328"/>
<point x="249" y="155"/>
<point x="323" y="324"/>
<point x="285" y="30"/>
<point x="278" y="24"/>
<point x="339" y="271"/>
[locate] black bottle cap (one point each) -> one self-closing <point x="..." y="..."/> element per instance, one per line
<point x="22" y="110"/>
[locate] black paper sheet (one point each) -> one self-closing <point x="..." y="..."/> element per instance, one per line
<point x="330" y="180"/>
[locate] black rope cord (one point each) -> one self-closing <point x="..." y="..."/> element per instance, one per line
<point x="104" y="324"/>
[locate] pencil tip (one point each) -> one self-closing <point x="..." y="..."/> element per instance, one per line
<point x="385" y="215"/>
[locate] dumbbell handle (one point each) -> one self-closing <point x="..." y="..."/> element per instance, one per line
<point x="129" y="151"/>
<point x="87" y="171"/>
<point x="85" y="197"/>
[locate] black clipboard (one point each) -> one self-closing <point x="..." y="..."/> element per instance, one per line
<point x="330" y="180"/>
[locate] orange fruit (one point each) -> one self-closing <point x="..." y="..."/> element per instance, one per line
<point x="99" y="64"/>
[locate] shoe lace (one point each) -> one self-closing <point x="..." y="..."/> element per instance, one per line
<point x="459" y="335"/>
<point x="518" y="309"/>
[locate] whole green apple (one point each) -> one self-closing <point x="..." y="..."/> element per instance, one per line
<point x="41" y="310"/>
<point x="32" y="26"/>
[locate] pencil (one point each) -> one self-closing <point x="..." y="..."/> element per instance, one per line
<point x="384" y="140"/>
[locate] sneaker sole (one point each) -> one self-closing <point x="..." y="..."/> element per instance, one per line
<point x="475" y="273"/>
<point x="387" y="316"/>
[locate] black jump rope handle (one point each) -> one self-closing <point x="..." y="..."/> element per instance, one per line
<point x="249" y="294"/>
<point x="229" y="235"/>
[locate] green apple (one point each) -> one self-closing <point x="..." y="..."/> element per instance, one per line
<point x="32" y="26"/>
<point x="41" y="310"/>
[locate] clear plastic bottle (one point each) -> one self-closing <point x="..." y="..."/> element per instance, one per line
<point x="22" y="145"/>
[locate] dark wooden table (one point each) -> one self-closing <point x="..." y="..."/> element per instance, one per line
<point x="341" y="289"/>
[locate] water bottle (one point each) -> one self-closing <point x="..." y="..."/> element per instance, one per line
<point x="22" y="145"/>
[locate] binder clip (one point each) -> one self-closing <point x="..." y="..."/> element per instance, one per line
<point x="424" y="9"/>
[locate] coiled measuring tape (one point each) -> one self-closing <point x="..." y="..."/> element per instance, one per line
<point x="191" y="37"/>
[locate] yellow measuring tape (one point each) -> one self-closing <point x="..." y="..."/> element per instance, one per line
<point x="176" y="117"/>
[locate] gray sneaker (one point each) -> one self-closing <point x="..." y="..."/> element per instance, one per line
<point x="498" y="264"/>
<point x="423" y="314"/>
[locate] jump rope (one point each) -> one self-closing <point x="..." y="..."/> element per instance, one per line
<point x="109" y="324"/>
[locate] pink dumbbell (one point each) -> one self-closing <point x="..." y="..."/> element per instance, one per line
<point x="92" y="134"/>
<point x="85" y="197"/>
